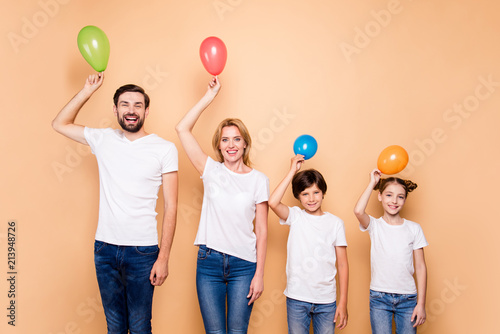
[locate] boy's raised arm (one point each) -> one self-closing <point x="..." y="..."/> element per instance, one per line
<point x="280" y="209"/>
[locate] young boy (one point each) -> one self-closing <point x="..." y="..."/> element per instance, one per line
<point x="315" y="243"/>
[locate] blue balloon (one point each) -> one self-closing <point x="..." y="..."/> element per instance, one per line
<point x="305" y="145"/>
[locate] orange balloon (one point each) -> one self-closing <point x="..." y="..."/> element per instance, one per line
<point x="393" y="159"/>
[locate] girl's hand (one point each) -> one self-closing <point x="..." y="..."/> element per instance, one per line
<point x="297" y="162"/>
<point x="375" y="176"/>
<point x="213" y="86"/>
<point x="340" y="317"/>
<point x="418" y="315"/>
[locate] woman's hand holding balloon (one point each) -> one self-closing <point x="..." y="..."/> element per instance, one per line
<point x="213" y="86"/>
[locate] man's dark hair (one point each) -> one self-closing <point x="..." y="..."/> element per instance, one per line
<point x="130" y="88"/>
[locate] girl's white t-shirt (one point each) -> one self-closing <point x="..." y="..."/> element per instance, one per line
<point x="311" y="257"/>
<point x="391" y="255"/>
<point x="228" y="210"/>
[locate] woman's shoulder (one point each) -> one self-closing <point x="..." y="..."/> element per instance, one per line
<point x="259" y="175"/>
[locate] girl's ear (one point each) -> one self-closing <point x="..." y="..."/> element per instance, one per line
<point x="379" y="197"/>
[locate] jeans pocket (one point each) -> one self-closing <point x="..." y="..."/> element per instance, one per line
<point x="412" y="297"/>
<point x="202" y="253"/>
<point x="98" y="246"/>
<point x="376" y="294"/>
<point x="147" y="250"/>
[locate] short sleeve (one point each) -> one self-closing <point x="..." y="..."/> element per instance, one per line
<point x="170" y="161"/>
<point x="340" y="239"/>
<point x="370" y="225"/>
<point x="293" y="213"/>
<point x="93" y="137"/>
<point x="420" y="240"/>
<point x="210" y="165"/>
<point x="262" y="189"/>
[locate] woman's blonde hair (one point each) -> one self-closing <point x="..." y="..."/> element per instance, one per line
<point x="244" y="133"/>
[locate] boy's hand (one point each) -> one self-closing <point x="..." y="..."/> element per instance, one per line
<point x="297" y="163"/>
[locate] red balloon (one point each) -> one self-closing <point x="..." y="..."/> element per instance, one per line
<point x="213" y="54"/>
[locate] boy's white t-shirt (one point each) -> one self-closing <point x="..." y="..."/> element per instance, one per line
<point x="130" y="175"/>
<point x="228" y="210"/>
<point x="391" y="255"/>
<point x="311" y="257"/>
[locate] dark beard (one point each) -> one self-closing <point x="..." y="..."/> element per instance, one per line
<point x="133" y="128"/>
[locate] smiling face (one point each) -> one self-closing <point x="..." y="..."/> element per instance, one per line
<point x="392" y="198"/>
<point x="311" y="199"/>
<point x="232" y="145"/>
<point x="131" y="111"/>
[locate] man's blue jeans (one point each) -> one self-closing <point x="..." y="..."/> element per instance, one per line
<point x="299" y="315"/>
<point x="383" y="306"/>
<point x="126" y="291"/>
<point x="220" y="276"/>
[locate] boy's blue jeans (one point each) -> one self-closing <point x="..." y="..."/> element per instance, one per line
<point x="126" y="291"/>
<point x="220" y="278"/>
<point x="383" y="306"/>
<point x="299" y="315"/>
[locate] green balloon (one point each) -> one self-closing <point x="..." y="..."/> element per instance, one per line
<point x="94" y="47"/>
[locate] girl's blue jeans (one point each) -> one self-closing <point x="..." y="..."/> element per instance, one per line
<point x="385" y="306"/>
<point x="222" y="278"/>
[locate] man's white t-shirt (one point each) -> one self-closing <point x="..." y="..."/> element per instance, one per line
<point x="391" y="255"/>
<point x="311" y="257"/>
<point x="228" y="210"/>
<point x="130" y="175"/>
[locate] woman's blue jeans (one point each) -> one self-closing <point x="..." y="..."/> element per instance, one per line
<point x="222" y="278"/>
<point x="383" y="306"/>
<point x="299" y="315"/>
<point x="126" y="291"/>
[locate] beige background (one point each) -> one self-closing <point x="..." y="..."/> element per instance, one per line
<point x="357" y="75"/>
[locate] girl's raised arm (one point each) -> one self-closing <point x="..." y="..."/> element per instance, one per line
<point x="359" y="209"/>
<point x="185" y="127"/>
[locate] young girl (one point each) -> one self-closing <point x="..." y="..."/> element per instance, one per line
<point x="395" y="243"/>
<point x="315" y="242"/>
<point x="230" y="266"/>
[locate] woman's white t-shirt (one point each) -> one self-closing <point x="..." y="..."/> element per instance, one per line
<point x="228" y="210"/>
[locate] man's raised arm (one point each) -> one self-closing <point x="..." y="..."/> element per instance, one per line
<point x="64" y="123"/>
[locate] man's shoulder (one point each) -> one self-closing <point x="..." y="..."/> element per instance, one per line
<point x="157" y="138"/>
<point x="98" y="134"/>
